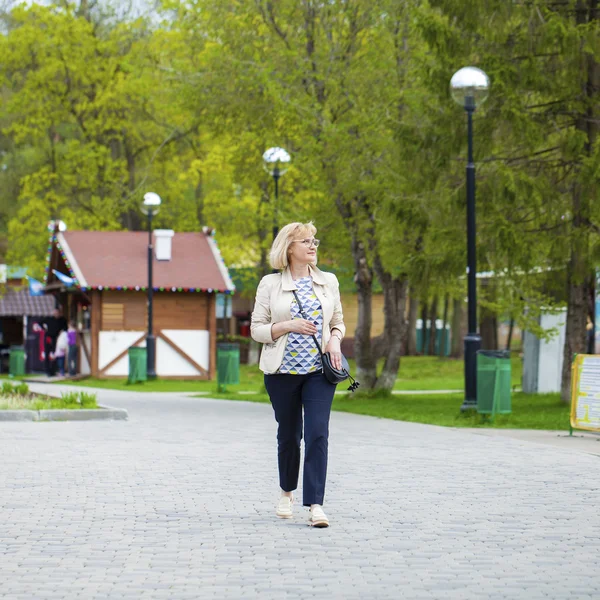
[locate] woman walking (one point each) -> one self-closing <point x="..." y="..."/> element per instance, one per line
<point x="291" y="361"/>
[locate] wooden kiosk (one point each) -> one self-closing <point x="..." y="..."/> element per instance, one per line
<point x="100" y="278"/>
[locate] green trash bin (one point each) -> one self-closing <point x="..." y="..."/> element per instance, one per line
<point x="228" y="365"/>
<point x="423" y="338"/>
<point x="16" y="362"/>
<point x="137" y="365"/>
<point x="493" y="382"/>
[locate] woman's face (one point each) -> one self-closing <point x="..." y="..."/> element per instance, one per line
<point x="303" y="250"/>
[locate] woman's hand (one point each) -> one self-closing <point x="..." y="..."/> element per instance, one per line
<point x="333" y="347"/>
<point x="302" y="326"/>
<point x="296" y="325"/>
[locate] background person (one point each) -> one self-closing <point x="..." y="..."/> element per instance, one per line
<point x="61" y="350"/>
<point x="53" y="326"/>
<point x="291" y="361"/>
<point x="72" y="352"/>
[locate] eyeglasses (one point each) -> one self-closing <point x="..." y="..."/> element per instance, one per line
<point x="309" y="242"/>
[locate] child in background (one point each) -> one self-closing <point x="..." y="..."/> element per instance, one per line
<point x="72" y="355"/>
<point x="60" y="352"/>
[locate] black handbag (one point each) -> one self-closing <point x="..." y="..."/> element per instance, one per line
<point x="332" y="374"/>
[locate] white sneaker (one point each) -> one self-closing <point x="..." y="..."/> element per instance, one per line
<point x="284" y="507"/>
<point x="317" y="517"/>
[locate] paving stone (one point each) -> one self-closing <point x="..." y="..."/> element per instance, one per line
<point x="178" y="502"/>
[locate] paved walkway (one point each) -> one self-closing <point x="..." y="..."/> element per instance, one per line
<point x="178" y="503"/>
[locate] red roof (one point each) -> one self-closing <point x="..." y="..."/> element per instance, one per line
<point x="113" y="259"/>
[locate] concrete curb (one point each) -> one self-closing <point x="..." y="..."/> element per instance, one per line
<point x="105" y="413"/>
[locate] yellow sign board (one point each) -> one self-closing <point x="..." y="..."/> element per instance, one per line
<point x="585" y="392"/>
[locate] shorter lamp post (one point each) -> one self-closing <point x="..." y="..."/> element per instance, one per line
<point x="150" y="207"/>
<point x="276" y="162"/>
<point x="469" y="88"/>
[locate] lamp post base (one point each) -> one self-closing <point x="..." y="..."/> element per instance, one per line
<point x="472" y="345"/>
<point x="151" y="357"/>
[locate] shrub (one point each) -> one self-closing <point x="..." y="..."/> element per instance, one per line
<point x="70" y="398"/>
<point x="87" y="400"/>
<point x="233" y="339"/>
<point x="22" y="389"/>
<point x="7" y="388"/>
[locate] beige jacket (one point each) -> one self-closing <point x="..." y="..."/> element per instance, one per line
<point x="274" y="298"/>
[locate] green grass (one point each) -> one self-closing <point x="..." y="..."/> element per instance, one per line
<point x="250" y="379"/>
<point x="416" y="373"/>
<point x="529" y="411"/>
<point x="433" y="373"/>
<point x="71" y="401"/>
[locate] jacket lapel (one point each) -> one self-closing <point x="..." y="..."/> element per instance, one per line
<point x="288" y="285"/>
<point x="317" y="275"/>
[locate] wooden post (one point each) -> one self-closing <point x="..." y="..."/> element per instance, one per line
<point x="212" y="328"/>
<point x="95" y="325"/>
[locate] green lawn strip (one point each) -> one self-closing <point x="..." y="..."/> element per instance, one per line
<point x="530" y="411"/>
<point x="416" y="373"/>
<point x="434" y="373"/>
<point x="251" y="379"/>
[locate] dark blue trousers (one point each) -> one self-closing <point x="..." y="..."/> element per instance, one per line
<point x="288" y="394"/>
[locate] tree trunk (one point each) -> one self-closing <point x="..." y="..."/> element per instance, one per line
<point x="413" y="313"/>
<point x="424" y="318"/>
<point x="84" y="10"/>
<point x="433" y="328"/>
<point x="263" y="231"/>
<point x="456" y="346"/>
<point x="591" y="338"/>
<point x="580" y="275"/>
<point x="511" y="328"/>
<point x="489" y="331"/>
<point x="395" y="291"/>
<point x="579" y="280"/>
<point x="379" y="347"/>
<point x="488" y="322"/>
<point x="366" y="366"/>
<point x="199" y="197"/>
<point x="131" y="219"/>
<point x="443" y="341"/>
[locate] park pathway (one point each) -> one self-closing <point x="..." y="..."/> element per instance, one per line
<point x="178" y="503"/>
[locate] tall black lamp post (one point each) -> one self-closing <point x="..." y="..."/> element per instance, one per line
<point x="276" y="163"/>
<point x="469" y="88"/>
<point x="150" y="207"/>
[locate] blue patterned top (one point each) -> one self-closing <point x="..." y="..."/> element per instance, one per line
<point x="301" y="355"/>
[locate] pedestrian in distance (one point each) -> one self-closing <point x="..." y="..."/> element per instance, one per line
<point x="61" y="350"/>
<point x="53" y="326"/>
<point x="291" y="361"/>
<point x="72" y="352"/>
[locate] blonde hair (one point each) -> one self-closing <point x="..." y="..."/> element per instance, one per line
<point x="279" y="255"/>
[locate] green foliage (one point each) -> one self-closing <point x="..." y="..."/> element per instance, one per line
<point x="7" y="388"/>
<point x="22" y="389"/>
<point x="88" y="400"/>
<point x="98" y="122"/>
<point x="18" y="389"/>
<point x="96" y="110"/>
<point x="18" y="397"/>
<point x="78" y="400"/>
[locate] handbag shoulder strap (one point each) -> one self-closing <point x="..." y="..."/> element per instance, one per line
<point x="354" y="385"/>
<point x="314" y="337"/>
